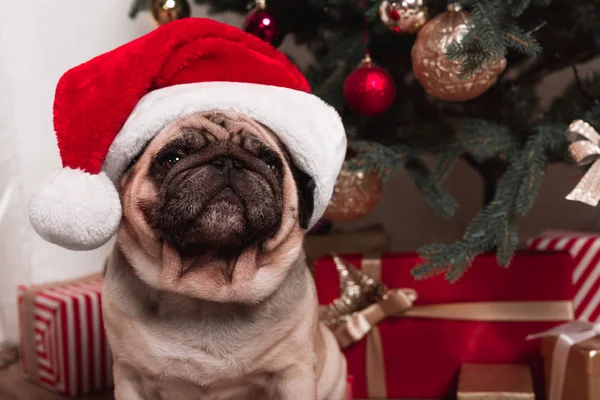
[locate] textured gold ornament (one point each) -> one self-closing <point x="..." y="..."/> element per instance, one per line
<point x="357" y="291"/>
<point x="440" y="76"/>
<point x="355" y="195"/>
<point x="165" y="11"/>
<point x="404" y="15"/>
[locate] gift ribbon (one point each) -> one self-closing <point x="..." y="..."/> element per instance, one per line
<point x="567" y="335"/>
<point x="399" y="303"/>
<point x="28" y="296"/>
<point x="585" y="149"/>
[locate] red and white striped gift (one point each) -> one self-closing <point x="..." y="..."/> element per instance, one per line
<point x="63" y="345"/>
<point x="585" y="249"/>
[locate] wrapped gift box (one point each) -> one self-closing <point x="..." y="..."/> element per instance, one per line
<point x="585" y="249"/>
<point x="495" y="382"/>
<point x="420" y="357"/>
<point x="349" y="391"/>
<point x="63" y="345"/>
<point x="582" y="373"/>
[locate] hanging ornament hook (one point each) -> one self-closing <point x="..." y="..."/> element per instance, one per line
<point x="453" y="6"/>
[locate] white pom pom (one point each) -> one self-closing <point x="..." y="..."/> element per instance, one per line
<point x="75" y="209"/>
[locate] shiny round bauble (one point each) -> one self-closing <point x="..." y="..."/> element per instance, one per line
<point x="263" y="25"/>
<point x="438" y="75"/>
<point x="356" y="193"/>
<point x="165" y="11"/>
<point x="369" y="90"/>
<point x="404" y="15"/>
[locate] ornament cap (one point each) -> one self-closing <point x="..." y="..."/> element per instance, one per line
<point x="261" y="4"/>
<point x="454" y="7"/>
<point x="367" y="61"/>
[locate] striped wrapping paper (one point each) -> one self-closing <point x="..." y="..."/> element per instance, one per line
<point x="63" y="344"/>
<point x="585" y="249"/>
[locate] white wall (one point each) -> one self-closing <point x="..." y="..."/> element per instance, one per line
<point x="39" y="40"/>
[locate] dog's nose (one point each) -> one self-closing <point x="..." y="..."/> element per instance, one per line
<point x="227" y="163"/>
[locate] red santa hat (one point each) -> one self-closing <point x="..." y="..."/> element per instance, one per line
<point x="107" y="109"/>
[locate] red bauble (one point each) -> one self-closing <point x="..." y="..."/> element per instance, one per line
<point x="369" y="90"/>
<point x="261" y="23"/>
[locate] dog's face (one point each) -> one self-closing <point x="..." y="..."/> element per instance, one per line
<point x="214" y="208"/>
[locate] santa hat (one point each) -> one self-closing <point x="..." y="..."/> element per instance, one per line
<point x="107" y="109"/>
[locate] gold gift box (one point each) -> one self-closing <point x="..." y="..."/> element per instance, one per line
<point x="495" y="382"/>
<point x="582" y="377"/>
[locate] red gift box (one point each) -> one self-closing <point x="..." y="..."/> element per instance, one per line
<point x="349" y="391"/>
<point x="422" y="356"/>
<point x="585" y="250"/>
<point x="63" y="345"/>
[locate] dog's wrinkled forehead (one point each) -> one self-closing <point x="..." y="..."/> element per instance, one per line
<point x="226" y="126"/>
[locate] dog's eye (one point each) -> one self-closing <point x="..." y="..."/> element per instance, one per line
<point x="274" y="168"/>
<point x="169" y="160"/>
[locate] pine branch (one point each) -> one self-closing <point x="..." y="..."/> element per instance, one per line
<point x="518" y="7"/>
<point x="440" y="201"/>
<point x="516" y="39"/>
<point x="485" y="139"/>
<point x="139" y="6"/>
<point x="387" y="159"/>
<point x="493" y="227"/>
<point x="492" y="33"/>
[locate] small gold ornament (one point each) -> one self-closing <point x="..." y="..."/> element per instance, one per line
<point x="404" y="15"/>
<point x="357" y="291"/>
<point x="355" y="195"/>
<point x="440" y="76"/>
<point x="165" y="11"/>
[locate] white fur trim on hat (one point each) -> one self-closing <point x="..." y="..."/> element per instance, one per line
<point x="311" y="129"/>
<point x="75" y="209"/>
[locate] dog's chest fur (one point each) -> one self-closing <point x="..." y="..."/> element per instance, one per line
<point x="176" y="347"/>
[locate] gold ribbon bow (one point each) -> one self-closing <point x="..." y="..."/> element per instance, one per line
<point x="585" y="149"/>
<point x="364" y="302"/>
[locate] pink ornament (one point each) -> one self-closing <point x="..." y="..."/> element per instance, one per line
<point x="369" y="90"/>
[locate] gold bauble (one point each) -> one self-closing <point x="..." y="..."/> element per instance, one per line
<point x="440" y="76"/>
<point x="164" y="11"/>
<point x="355" y="195"/>
<point x="404" y="15"/>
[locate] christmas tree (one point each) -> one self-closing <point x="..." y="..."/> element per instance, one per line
<point x="464" y="74"/>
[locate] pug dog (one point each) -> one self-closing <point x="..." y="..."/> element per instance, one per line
<point x="207" y="293"/>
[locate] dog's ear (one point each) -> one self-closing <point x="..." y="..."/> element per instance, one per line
<point x="306" y="198"/>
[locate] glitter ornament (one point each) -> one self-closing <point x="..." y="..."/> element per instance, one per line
<point x="356" y="194"/>
<point x="404" y="16"/>
<point x="164" y="11"/>
<point x="440" y="76"/>
<point x="263" y="25"/>
<point x="369" y="90"/>
<point x="357" y="291"/>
